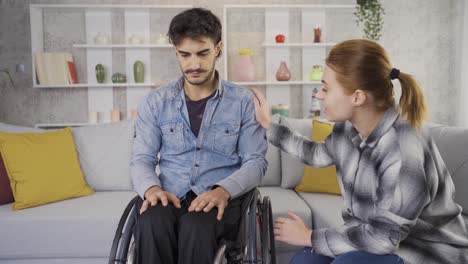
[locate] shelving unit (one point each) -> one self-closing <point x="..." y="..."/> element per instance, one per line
<point x="277" y="21"/>
<point x="98" y="19"/>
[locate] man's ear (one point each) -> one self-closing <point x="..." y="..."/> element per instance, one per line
<point x="359" y="97"/>
<point x="218" y="47"/>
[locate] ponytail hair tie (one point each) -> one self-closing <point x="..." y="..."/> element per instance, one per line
<point x="394" y="73"/>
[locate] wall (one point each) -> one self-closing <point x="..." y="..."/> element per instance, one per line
<point x="423" y="37"/>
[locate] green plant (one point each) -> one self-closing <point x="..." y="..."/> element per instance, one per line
<point x="369" y="13"/>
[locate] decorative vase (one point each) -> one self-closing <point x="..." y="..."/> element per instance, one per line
<point x="280" y="109"/>
<point x="100" y="73"/>
<point x="119" y="78"/>
<point x="244" y="70"/>
<point x="317" y="34"/>
<point x="316" y="74"/>
<point x="283" y="74"/>
<point x="101" y="38"/>
<point x="139" y="72"/>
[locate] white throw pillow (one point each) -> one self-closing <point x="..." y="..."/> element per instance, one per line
<point x="104" y="152"/>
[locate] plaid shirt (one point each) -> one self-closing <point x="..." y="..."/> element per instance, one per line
<point x="398" y="194"/>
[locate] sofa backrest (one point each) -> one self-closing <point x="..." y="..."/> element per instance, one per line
<point x="273" y="174"/>
<point x="292" y="169"/>
<point x="452" y="143"/>
<point x="104" y="152"/>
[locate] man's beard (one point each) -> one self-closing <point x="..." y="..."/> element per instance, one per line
<point x="206" y="79"/>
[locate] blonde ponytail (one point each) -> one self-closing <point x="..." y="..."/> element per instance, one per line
<point x="412" y="101"/>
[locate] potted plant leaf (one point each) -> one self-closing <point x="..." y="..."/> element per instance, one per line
<point x="369" y="14"/>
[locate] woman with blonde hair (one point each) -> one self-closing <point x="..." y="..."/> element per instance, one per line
<point x="398" y="194"/>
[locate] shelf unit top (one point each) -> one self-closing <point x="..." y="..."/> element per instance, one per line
<point x="321" y="44"/>
<point x="279" y="83"/>
<point x="131" y="46"/>
<point x="84" y="85"/>
<point x="92" y="6"/>
<point x="292" y="6"/>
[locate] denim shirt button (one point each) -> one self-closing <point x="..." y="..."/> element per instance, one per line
<point x="172" y="130"/>
<point x="227" y="131"/>
<point x="196" y="165"/>
<point x="198" y="148"/>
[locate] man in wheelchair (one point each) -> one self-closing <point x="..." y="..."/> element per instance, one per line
<point x="202" y="133"/>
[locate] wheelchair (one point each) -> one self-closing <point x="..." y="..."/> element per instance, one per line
<point x="255" y="242"/>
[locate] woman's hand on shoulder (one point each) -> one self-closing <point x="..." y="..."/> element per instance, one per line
<point x="262" y="109"/>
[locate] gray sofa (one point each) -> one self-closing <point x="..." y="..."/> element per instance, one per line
<point x="81" y="230"/>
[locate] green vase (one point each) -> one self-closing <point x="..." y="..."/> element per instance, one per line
<point x="100" y="73"/>
<point x="119" y="78"/>
<point x="316" y="74"/>
<point x="139" y="72"/>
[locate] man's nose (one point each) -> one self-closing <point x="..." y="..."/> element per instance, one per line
<point x="194" y="63"/>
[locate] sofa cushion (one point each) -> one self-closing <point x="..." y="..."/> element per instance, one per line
<point x="452" y="143"/>
<point x="292" y="169"/>
<point x="104" y="152"/>
<point x="319" y="180"/>
<point x="284" y="200"/>
<point x="6" y="195"/>
<point x="81" y="227"/>
<point x="273" y="174"/>
<point x="42" y="167"/>
<point x="326" y="209"/>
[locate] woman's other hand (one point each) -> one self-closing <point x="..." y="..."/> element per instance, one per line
<point x="293" y="231"/>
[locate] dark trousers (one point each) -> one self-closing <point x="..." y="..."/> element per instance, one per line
<point x="167" y="235"/>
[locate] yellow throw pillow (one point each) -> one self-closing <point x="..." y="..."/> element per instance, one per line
<point x="42" y="167"/>
<point x="321" y="180"/>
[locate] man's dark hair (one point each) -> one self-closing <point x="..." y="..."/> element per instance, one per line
<point x="195" y="23"/>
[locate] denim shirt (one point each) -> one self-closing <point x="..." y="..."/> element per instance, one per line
<point x="229" y="150"/>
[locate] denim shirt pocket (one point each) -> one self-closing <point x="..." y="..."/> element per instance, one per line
<point x="173" y="141"/>
<point x="224" y="138"/>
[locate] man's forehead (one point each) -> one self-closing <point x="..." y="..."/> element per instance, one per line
<point x="195" y="45"/>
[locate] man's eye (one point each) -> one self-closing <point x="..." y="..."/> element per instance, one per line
<point x="184" y="55"/>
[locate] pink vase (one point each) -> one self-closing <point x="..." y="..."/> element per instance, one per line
<point x="283" y="73"/>
<point x="244" y="70"/>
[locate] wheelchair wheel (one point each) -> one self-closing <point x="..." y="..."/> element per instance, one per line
<point x="123" y="246"/>
<point x="267" y="236"/>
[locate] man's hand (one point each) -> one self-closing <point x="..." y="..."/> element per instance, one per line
<point x="155" y="194"/>
<point x="215" y="198"/>
<point x="293" y="231"/>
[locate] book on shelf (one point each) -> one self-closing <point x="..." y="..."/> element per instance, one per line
<point x="55" y="68"/>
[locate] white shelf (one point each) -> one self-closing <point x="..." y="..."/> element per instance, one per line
<point x="279" y="83"/>
<point x="84" y="85"/>
<point x="286" y="45"/>
<point x="123" y="46"/>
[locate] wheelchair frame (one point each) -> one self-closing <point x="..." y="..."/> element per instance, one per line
<point x="255" y="241"/>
